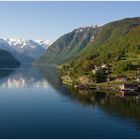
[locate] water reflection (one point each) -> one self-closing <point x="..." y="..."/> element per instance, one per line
<point x="60" y="110"/>
<point x="22" y="77"/>
<point x="112" y="103"/>
<point x="126" y="106"/>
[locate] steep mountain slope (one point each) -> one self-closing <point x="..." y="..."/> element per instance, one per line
<point x="7" y="60"/>
<point x="113" y="40"/>
<point x="98" y="54"/>
<point x="69" y="45"/>
<point x="116" y="44"/>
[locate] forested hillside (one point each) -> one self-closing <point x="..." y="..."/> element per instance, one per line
<point x="69" y="45"/>
<point x="115" y="46"/>
<point x="7" y="60"/>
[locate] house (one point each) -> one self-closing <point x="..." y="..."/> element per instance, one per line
<point x="129" y="87"/>
<point x="96" y="69"/>
<point x="121" y="78"/>
<point x="138" y="79"/>
<point x="105" y="66"/>
<point x="102" y="67"/>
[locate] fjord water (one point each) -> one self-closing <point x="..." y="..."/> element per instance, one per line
<point x="33" y="104"/>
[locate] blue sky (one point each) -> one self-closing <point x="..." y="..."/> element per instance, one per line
<point x="50" y="20"/>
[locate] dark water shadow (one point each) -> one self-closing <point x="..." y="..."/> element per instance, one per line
<point x="5" y="72"/>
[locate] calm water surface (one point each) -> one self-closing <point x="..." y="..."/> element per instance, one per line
<point x="33" y="104"/>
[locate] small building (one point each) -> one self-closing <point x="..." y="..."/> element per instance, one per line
<point x="138" y="79"/>
<point x="129" y="87"/>
<point x="121" y="78"/>
<point x="108" y="79"/>
<point x="101" y="67"/>
<point x="95" y="71"/>
<point x="104" y="66"/>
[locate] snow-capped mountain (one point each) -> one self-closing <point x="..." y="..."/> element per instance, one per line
<point x="31" y="48"/>
<point x="4" y="45"/>
<point x="44" y="43"/>
<point x="25" y="50"/>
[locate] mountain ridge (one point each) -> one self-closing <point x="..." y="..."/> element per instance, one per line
<point x="116" y="44"/>
<point x="69" y="45"/>
<point x="25" y="50"/>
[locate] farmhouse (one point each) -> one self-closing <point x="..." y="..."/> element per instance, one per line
<point x="138" y="79"/>
<point x="121" y="78"/>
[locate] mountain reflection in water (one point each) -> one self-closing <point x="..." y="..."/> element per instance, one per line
<point x="22" y="77"/>
<point x="34" y="104"/>
<point x="126" y="106"/>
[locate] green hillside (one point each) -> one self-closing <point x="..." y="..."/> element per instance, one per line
<point x="7" y="60"/>
<point x="80" y="52"/>
<point x="117" y="44"/>
<point x="69" y="45"/>
<point x="113" y="40"/>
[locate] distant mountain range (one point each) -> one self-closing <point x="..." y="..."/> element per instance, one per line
<point x="24" y="50"/>
<point x="83" y="48"/>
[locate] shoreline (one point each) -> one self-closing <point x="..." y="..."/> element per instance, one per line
<point x="111" y="86"/>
